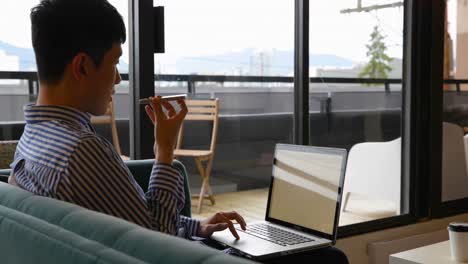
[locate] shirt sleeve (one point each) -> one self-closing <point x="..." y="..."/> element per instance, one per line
<point x="99" y="180"/>
<point x="188" y="227"/>
<point x="165" y="197"/>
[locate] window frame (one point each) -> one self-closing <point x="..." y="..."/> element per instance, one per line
<point x="141" y="76"/>
<point x="421" y="110"/>
<point x="421" y="104"/>
<point x="439" y="208"/>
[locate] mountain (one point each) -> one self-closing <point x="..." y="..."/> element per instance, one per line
<point x="27" y="58"/>
<point x="253" y="62"/>
<point x="245" y="62"/>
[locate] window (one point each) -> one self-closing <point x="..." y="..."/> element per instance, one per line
<point x="121" y="98"/>
<point x="18" y="78"/>
<point x="455" y="103"/>
<point x="241" y="52"/>
<point x="17" y="87"/>
<point x="355" y="100"/>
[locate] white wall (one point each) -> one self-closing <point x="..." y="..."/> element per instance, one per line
<point x="356" y="247"/>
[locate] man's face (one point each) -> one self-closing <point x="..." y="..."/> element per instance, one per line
<point x="102" y="80"/>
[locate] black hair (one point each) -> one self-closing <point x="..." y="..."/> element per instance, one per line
<point x="63" y="28"/>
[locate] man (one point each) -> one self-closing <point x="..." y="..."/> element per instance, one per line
<point x="77" y="44"/>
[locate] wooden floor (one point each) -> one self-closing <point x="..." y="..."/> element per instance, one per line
<point x="251" y="205"/>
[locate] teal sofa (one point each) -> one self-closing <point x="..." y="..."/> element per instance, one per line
<point x="35" y="229"/>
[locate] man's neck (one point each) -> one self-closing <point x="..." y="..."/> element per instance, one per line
<point x="57" y="95"/>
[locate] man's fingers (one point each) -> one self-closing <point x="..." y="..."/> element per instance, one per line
<point x="183" y="108"/>
<point x="181" y="102"/>
<point x="150" y="113"/>
<point x="156" y="103"/>
<point x="180" y="116"/>
<point x="169" y="108"/>
<point x="234" y="215"/>
<point x="217" y="227"/>
<point x="230" y="225"/>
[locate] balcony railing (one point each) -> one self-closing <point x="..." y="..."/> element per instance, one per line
<point x="191" y="80"/>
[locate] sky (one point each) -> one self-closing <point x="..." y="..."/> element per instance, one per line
<point x="206" y="27"/>
<point x="210" y="27"/>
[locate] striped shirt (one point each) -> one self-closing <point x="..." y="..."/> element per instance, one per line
<point x="60" y="156"/>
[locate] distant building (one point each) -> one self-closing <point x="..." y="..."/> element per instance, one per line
<point x="353" y="72"/>
<point x="255" y="62"/>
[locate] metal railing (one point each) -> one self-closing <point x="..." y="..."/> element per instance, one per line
<point x="191" y="80"/>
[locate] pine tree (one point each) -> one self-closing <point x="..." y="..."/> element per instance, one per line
<point x="378" y="65"/>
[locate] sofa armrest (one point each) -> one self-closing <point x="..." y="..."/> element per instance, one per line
<point x="141" y="170"/>
<point x="4" y="175"/>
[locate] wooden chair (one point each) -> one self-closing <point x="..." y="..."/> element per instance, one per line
<point x="7" y="153"/>
<point x="201" y="110"/>
<point x="109" y="118"/>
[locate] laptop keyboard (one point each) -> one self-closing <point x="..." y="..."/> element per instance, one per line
<point x="275" y="235"/>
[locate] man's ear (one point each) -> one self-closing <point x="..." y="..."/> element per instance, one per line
<point x="80" y="65"/>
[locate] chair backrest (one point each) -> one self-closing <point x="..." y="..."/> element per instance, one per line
<point x="374" y="170"/>
<point x="109" y="118"/>
<point x="454" y="168"/>
<point x="7" y="153"/>
<point x="202" y="110"/>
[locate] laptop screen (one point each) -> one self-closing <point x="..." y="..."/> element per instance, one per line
<point x="305" y="190"/>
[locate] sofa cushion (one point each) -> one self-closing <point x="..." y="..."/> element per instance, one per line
<point x="26" y="239"/>
<point x="109" y="231"/>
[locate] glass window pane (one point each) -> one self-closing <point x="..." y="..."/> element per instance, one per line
<point x="454" y="168"/>
<point x="121" y="98"/>
<point x="359" y="39"/>
<point x="209" y="39"/>
<point x="17" y="55"/>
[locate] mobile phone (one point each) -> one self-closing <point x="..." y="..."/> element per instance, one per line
<point x="165" y="98"/>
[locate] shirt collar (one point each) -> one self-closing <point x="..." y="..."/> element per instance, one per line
<point x="40" y="113"/>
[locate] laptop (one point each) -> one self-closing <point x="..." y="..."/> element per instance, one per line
<point x="303" y="204"/>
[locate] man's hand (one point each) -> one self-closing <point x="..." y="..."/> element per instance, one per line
<point x="166" y="127"/>
<point x="219" y="222"/>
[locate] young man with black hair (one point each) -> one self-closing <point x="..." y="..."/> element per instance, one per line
<point x="77" y="44"/>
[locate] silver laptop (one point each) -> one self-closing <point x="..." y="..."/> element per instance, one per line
<point x="303" y="204"/>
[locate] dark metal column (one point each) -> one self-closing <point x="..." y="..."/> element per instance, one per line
<point x="301" y="72"/>
<point x="141" y="76"/>
<point x="422" y="105"/>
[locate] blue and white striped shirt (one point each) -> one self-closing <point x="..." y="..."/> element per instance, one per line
<point x="60" y="156"/>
